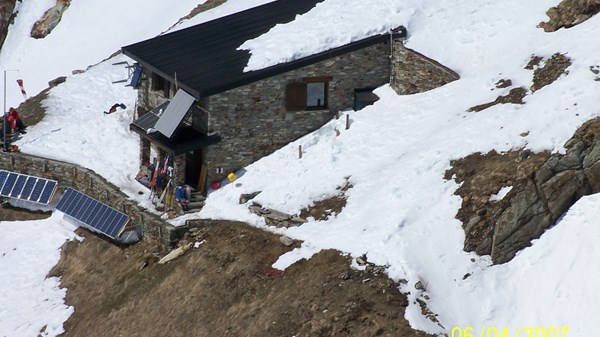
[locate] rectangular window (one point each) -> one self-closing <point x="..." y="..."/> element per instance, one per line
<point x="161" y="84"/>
<point x="310" y="94"/>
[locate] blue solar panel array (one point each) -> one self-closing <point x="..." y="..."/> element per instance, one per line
<point x="92" y="213"/>
<point x="25" y="187"/>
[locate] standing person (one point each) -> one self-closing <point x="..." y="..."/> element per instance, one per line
<point x="15" y="120"/>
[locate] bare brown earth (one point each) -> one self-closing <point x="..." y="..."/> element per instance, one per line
<point x="322" y="209"/>
<point x="226" y="287"/>
<point x="552" y="69"/>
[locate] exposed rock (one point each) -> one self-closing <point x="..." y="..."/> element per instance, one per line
<point x="322" y="209"/>
<point x="50" y="19"/>
<point x="361" y="260"/>
<point x="543" y="187"/>
<point x="562" y="190"/>
<point x="514" y="96"/>
<point x="6" y="16"/>
<point x="276" y="218"/>
<point x="244" y="198"/>
<point x="570" y="13"/>
<point x="503" y="83"/>
<point x="287" y="241"/>
<point x="57" y="81"/>
<point x="534" y="62"/>
<point x="203" y="7"/>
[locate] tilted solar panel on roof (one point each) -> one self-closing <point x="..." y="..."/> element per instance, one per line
<point x="25" y="187"/>
<point x="92" y="213"/>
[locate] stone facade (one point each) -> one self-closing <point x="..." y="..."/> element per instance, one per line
<point x="253" y="121"/>
<point x="414" y="72"/>
<point x="88" y="182"/>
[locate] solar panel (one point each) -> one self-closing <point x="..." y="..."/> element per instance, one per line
<point x="149" y="119"/>
<point x="3" y="176"/>
<point x="25" y="187"/>
<point x="174" y="113"/>
<point x="92" y="213"/>
<point x="135" y="79"/>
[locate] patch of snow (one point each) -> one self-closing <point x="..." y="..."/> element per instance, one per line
<point x="331" y="24"/>
<point x="30" y="301"/>
<point x="501" y="194"/>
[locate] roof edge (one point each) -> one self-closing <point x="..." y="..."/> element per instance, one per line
<point x="281" y="68"/>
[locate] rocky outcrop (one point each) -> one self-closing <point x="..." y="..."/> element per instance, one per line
<point x="544" y="187"/>
<point x="50" y="19"/>
<point x="6" y="15"/>
<point x="570" y="13"/>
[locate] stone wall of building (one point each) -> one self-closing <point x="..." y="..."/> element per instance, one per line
<point x="148" y="98"/>
<point x="90" y="183"/>
<point x="413" y="72"/>
<point x="253" y="121"/>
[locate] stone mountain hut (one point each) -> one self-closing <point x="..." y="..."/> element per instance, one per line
<point x="197" y="105"/>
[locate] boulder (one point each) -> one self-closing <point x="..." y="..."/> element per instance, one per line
<point x="57" y="81"/>
<point x="244" y="198"/>
<point x="593" y="156"/>
<point x="592" y="174"/>
<point x="287" y="241"/>
<point x="524" y="208"/>
<point x="50" y="19"/>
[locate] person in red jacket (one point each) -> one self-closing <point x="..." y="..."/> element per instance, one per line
<point x="15" y="121"/>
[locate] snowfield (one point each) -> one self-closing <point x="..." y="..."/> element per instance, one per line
<point x="30" y="301"/>
<point x="400" y="211"/>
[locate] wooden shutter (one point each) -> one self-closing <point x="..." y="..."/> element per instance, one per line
<point x="296" y="96"/>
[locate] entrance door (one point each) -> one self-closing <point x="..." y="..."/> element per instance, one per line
<point x="193" y="166"/>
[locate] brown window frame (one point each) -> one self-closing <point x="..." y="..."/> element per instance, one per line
<point x="297" y="94"/>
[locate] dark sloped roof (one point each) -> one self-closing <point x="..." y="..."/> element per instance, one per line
<point x="205" y="58"/>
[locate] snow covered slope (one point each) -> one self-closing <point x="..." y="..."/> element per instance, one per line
<point x="400" y="210"/>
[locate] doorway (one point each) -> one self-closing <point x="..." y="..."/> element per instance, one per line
<point x="193" y="169"/>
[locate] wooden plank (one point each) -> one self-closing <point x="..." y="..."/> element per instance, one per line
<point x="202" y="179"/>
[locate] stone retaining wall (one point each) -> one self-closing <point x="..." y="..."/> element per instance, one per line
<point x="90" y="183"/>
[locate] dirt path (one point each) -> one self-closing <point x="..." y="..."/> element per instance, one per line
<point x="224" y="288"/>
